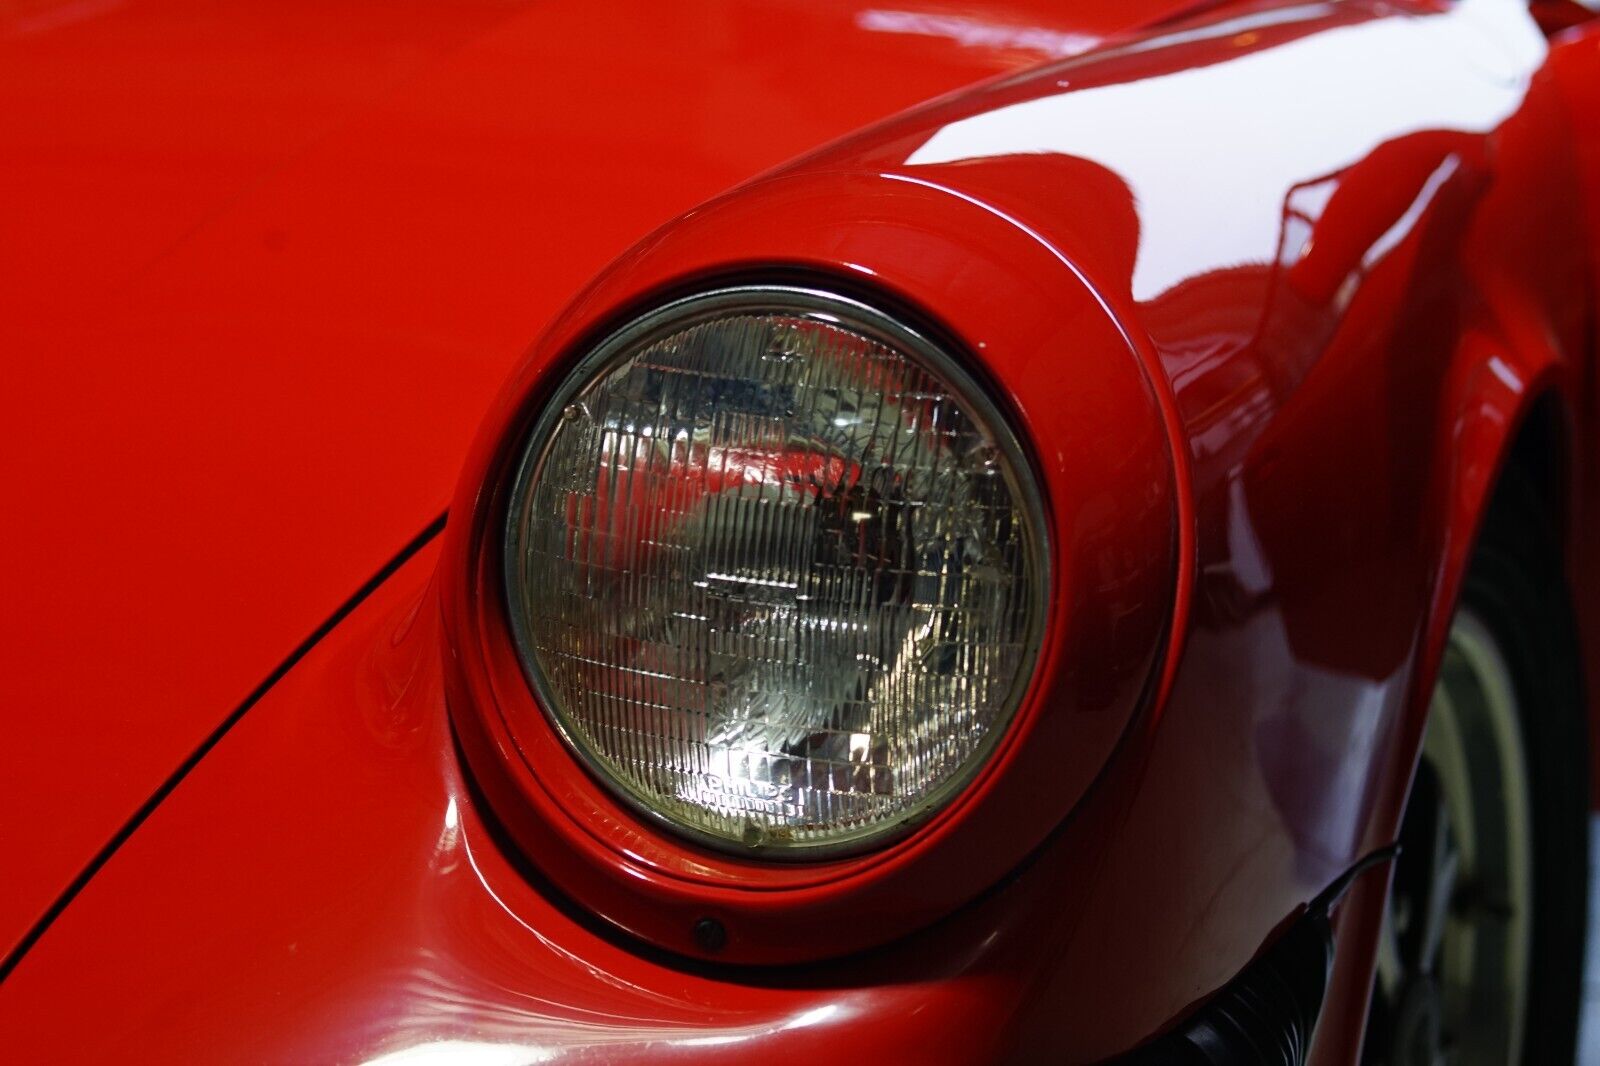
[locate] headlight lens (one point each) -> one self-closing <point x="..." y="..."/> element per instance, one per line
<point x="777" y="571"/>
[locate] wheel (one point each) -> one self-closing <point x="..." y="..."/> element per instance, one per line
<point x="1481" y="957"/>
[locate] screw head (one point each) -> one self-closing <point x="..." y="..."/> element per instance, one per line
<point x="710" y="935"/>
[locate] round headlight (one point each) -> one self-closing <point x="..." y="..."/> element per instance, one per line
<point x="777" y="570"/>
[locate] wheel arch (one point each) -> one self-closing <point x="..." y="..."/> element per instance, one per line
<point x="1510" y="443"/>
<point x="1539" y="457"/>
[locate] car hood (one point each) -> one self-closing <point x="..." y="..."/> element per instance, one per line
<point x="262" y="266"/>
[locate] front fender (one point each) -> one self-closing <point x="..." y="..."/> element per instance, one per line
<point x="1346" y="293"/>
<point x="1352" y="291"/>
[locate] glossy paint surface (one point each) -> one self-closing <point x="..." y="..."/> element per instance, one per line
<point x="378" y="920"/>
<point x="1355" y="287"/>
<point x="262" y="268"/>
<point x="1349" y="333"/>
<point x="1347" y="297"/>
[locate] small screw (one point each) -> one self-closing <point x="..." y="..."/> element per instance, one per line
<point x="710" y="935"/>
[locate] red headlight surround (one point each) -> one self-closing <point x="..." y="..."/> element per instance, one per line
<point x="1104" y="459"/>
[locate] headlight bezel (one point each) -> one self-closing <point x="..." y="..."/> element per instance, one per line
<point x="976" y="397"/>
<point x="1075" y="385"/>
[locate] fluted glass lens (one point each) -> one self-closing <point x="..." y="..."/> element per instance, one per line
<point x="776" y="574"/>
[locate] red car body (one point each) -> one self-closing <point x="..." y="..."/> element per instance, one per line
<point x="1275" y="289"/>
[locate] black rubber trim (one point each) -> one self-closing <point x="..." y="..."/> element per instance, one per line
<point x="1268" y="1014"/>
<point x="148" y="807"/>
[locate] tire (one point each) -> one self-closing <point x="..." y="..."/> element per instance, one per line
<point x="1517" y="587"/>
<point x="1496" y="828"/>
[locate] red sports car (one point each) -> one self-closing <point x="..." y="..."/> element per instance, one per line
<point x="797" y="531"/>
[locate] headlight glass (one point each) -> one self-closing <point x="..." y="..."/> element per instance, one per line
<point x="776" y="568"/>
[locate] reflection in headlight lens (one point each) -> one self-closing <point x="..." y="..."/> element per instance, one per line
<point x="776" y="569"/>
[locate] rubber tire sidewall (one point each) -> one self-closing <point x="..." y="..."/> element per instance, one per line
<point x="1516" y="588"/>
